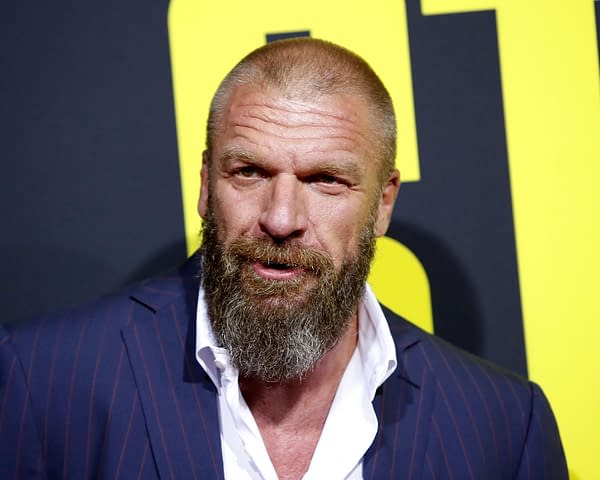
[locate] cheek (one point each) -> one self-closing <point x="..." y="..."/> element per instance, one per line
<point x="235" y="214"/>
<point x="339" y="227"/>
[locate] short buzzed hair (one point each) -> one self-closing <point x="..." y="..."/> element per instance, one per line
<point x="305" y="67"/>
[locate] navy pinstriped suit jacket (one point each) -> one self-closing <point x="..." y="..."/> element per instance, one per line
<point x="113" y="391"/>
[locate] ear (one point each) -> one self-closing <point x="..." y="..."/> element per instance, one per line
<point x="203" y="199"/>
<point x="386" y="203"/>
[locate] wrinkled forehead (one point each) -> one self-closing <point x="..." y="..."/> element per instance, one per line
<point x="342" y="115"/>
<point x="346" y="110"/>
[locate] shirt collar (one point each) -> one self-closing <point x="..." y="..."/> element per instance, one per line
<point x="210" y="356"/>
<point x="375" y="343"/>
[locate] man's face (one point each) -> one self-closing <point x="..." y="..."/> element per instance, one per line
<point x="291" y="201"/>
<point x="297" y="170"/>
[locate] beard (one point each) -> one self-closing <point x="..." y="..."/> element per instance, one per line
<point x="276" y="330"/>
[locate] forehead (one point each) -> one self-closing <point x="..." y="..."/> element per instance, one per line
<point x="332" y="124"/>
<point x="348" y="108"/>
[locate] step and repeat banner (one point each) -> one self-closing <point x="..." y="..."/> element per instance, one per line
<point x="494" y="240"/>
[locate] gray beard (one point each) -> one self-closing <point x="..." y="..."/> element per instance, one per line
<point x="276" y="330"/>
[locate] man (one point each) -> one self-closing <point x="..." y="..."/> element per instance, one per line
<point x="266" y="355"/>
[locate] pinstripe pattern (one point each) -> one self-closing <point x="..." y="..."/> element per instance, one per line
<point x="90" y="425"/>
<point x="459" y="417"/>
<point x="113" y="391"/>
<point x="49" y="392"/>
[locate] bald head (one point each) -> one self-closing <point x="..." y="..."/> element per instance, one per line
<point x="306" y="68"/>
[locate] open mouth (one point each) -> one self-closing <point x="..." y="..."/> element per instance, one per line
<point x="277" y="270"/>
<point x="278" y="266"/>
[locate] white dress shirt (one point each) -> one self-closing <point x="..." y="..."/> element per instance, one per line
<point x="350" y="426"/>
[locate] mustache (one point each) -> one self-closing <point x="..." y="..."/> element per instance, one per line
<point x="290" y="255"/>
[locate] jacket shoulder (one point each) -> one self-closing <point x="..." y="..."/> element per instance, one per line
<point x="97" y="324"/>
<point x="443" y="359"/>
<point x="483" y="413"/>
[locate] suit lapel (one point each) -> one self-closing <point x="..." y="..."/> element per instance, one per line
<point x="403" y="405"/>
<point x="178" y="399"/>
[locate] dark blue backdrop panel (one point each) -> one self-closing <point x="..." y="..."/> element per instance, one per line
<point x="597" y="9"/>
<point x="90" y="186"/>
<point x="458" y="218"/>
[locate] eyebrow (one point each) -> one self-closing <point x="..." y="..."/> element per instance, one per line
<point x="345" y="167"/>
<point x="235" y="153"/>
<point x="340" y="167"/>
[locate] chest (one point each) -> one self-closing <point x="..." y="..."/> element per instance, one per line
<point x="291" y="451"/>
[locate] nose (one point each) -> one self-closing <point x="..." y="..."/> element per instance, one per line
<point x="283" y="215"/>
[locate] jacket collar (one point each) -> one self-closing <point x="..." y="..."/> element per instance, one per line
<point x="178" y="399"/>
<point x="403" y="406"/>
